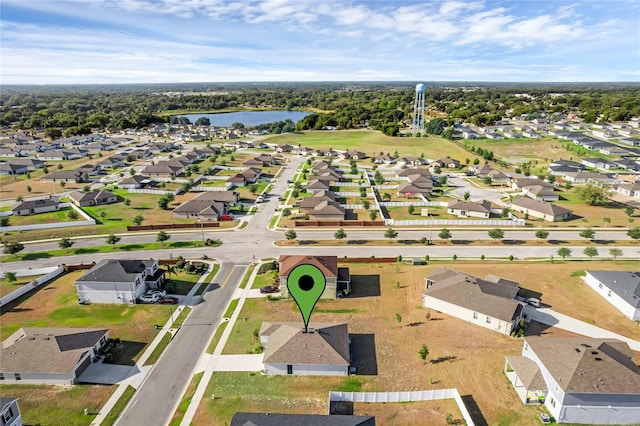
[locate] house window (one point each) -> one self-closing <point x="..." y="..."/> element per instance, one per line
<point x="289" y="369"/>
<point x="1" y="376"/>
<point x="18" y="376"/>
<point x="609" y="293"/>
<point x="475" y="315"/>
<point x="526" y="347"/>
<point x="488" y="320"/>
<point x="7" y="416"/>
<point x="600" y="285"/>
<point x="553" y="402"/>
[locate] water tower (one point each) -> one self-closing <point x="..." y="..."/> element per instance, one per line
<point x="417" y="125"/>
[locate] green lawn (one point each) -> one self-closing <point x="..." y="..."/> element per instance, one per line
<point x="119" y="406"/>
<point x="102" y="249"/>
<point x="372" y="142"/>
<point x="155" y="355"/>
<point x="216" y="337"/>
<point x="63" y="405"/>
<point x="247" y="275"/>
<point x="49" y="217"/>
<point x="186" y="399"/>
<point x="231" y="308"/>
<point x="265" y="279"/>
<point x="181" y="282"/>
<point x="257" y="393"/>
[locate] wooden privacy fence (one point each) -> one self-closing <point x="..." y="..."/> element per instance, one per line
<point x="339" y="223"/>
<point x="173" y="226"/>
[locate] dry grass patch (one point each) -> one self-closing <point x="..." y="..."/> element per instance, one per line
<point x="7" y="287"/>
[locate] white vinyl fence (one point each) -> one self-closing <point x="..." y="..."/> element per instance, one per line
<point x="413" y="203"/>
<point x="409" y="396"/>
<point x="453" y="222"/>
<point x="30" y="286"/>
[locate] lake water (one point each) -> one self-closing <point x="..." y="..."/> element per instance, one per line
<point x="249" y="118"/>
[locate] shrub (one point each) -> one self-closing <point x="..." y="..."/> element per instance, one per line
<point x="455" y="257"/>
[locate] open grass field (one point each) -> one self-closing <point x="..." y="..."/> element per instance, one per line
<point x="468" y="358"/>
<point x="588" y="215"/>
<point x="56" y="305"/>
<point x="372" y="142"/>
<point x="40" y="405"/>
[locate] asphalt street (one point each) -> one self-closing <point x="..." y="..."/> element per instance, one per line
<point x="154" y="401"/>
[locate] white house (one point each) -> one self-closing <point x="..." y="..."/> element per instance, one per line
<point x="580" y="380"/>
<point x="490" y="302"/>
<point x="10" y="412"/>
<point x="620" y="288"/>
<point x="119" y="281"/>
<point x="26" y="208"/>
<point x="322" y="351"/>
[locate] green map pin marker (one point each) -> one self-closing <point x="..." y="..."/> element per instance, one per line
<point x="306" y="284"/>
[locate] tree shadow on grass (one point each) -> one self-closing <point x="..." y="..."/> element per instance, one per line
<point x="38" y="255"/>
<point x="443" y="359"/>
<point x="126" y="352"/>
<point x="86" y="250"/>
<point x="307" y="242"/>
<point x="604" y="242"/>
<point x="556" y="242"/>
<point x="130" y="247"/>
<point x="513" y="242"/>
<point x="356" y="242"/>
<point x="461" y="242"/>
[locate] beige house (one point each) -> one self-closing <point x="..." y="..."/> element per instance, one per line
<point x="470" y="209"/>
<point x="490" y="302"/>
<point x="541" y="209"/>
<point x="93" y="198"/>
<point x="322" y="351"/>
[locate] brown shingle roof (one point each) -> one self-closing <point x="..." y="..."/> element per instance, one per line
<point x="327" y="264"/>
<point x="47" y="350"/>
<point x="582" y="364"/>
<point x="528" y="372"/>
<point x="323" y="344"/>
<point x="540" y="206"/>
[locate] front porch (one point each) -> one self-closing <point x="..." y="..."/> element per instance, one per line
<point x="524" y="375"/>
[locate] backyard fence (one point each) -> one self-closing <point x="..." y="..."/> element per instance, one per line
<point x="212" y="188"/>
<point x="453" y="222"/>
<point x="174" y="226"/>
<point x="409" y="396"/>
<point x="150" y="191"/>
<point x="413" y="203"/>
<point x="339" y="223"/>
<point x="32" y="285"/>
<point x="88" y="221"/>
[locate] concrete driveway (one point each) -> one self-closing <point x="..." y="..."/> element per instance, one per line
<point x="476" y="194"/>
<point x="107" y="374"/>
<point x="238" y="363"/>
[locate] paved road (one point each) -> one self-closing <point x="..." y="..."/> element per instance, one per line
<point x="155" y="400"/>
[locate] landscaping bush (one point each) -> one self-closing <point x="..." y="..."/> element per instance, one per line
<point x="269" y="266"/>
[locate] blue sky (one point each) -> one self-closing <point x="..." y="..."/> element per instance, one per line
<point x="155" y="41"/>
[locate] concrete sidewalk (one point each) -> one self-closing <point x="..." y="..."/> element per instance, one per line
<point x="556" y="319"/>
<point x="213" y="361"/>
<point x="143" y="371"/>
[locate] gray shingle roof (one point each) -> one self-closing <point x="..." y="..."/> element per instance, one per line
<point x="623" y="283"/>
<point x="112" y="270"/>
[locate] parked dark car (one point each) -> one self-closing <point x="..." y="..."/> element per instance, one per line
<point x="269" y="289"/>
<point x="168" y="300"/>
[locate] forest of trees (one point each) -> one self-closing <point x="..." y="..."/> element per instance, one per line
<point x="383" y="106"/>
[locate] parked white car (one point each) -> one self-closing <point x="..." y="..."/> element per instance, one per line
<point x="161" y="293"/>
<point x="150" y="298"/>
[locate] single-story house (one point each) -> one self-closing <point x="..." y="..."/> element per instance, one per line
<point x="540" y="192"/>
<point x="352" y="155"/>
<point x="580" y="380"/>
<point x="134" y="182"/>
<point x="519" y="183"/>
<point x="384" y="159"/>
<point x="490" y="302"/>
<point x="31" y="163"/>
<point x="470" y="208"/>
<point x="93" y="198"/>
<point x="10" y="412"/>
<point x="409" y="190"/>
<point x="324" y="210"/>
<point x="228" y="197"/>
<point x="413" y="171"/>
<point x="629" y="189"/>
<point x="276" y="419"/>
<point x="541" y="209"/>
<point x="119" y="281"/>
<point x="322" y="351"/>
<point x="26" y="208"/>
<point x="164" y="170"/>
<point x="337" y="279"/>
<point x="620" y="288"/>
<point x="584" y="177"/>
<point x="65" y="176"/>
<point x="13" y="169"/>
<point x="49" y="356"/>
<point x="449" y="163"/>
<point x="315" y="185"/>
<point x="201" y="208"/>
<point x="410" y="160"/>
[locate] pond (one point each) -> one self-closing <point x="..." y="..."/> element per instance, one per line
<point x="249" y="118"/>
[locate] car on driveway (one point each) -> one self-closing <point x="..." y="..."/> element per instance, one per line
<point x="226" y="217"/>
<point x="168" y="300"/>
<point x="149" y="298"/>
<point x="269" y="289"/>
<point x="159" y="292"/>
